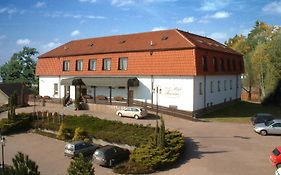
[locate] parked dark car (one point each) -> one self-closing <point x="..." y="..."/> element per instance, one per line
<point x="261" y="118"/>
<point x="110" y="155"/>
<point x="75" y="148"/>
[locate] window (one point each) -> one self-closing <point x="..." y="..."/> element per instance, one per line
<point x="204" y="63"/>
<point x="106" y="63"/>
<point x="56" y="89"/>
<point x="123" y="63"/>
<point x="228" y="65"/>
<point x="200" y="89"/>
<point x="230" y="84"/>
<point x="219" y="86"/>
<point x="222" y="64"/>
<point x="92" y="64"/>
<point x="215" y="64"/>
<point x="234" y="65"/>
<point x="79" y="65"/>
<point x="211" y="86"/>
<point x="224" y="85"/>
<point x="66" y="65"/>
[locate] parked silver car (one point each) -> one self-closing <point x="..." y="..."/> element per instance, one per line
<point x="75" y="148"/>
<point x="135" y="112"/>
<point x="269" y="127"/>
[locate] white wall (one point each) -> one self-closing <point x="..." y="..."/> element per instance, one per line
<point x="46" y="86"/>
<point x="179" y="91"/>
<point x="175" y="91"/>
<point x="216" y="96"/>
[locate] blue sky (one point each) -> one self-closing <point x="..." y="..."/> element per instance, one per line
<point x="46" y="24"/>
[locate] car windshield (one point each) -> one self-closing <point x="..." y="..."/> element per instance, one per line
<point x="269" y="122"/>
<point x="276" y="152"/>
<point x="69" y="147"/>
<point x="99" y="153"/>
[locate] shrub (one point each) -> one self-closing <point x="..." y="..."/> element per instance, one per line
<point x="80" y="166"/>
<point x="79" y="134"/>
<point x="21" y="122"/>
<point x="22" y="165"/>
<point x="152" y="158"/>
<point x="62" y="133"/>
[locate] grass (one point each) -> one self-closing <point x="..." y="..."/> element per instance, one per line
<point x="111" y="131"/>
<point x="241" y="112"/>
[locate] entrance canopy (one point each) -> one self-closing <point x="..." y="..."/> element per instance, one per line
<point x="102" y="81"/>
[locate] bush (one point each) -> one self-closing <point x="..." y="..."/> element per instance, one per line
<point x="22" y="165"/>
<point x="21" y="122"/>
<point x="149" y="157"/>
<point x="80" y="166"/>
<point x="79" y="134"/>
<point x="64" y="133"/>
<point x="130" y="134"/>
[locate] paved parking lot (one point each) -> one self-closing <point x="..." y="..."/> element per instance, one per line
<point x="212" y="148"/>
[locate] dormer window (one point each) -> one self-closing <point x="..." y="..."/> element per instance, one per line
<point x="164" y="38"/>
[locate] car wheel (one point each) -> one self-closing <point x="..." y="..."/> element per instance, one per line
<point x="120" y="114"/>
<point x="263" y="132"/>
<point x="136" y="116"/>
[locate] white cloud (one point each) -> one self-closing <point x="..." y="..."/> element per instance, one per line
<point x="221" y="14"/>
<point x="23" y="42"/>
<point x="120" y="3"/>
<point x="90" y="1"/>
<point x="94" y="17"/>
<point x="187" y="20"/>
<point x="40" y="4"/>
<point x="2" y="37"/>
<point x="8" y="10"/>
<point x="218" y="36"/>
<point x="213" y="5"/>
<point x="69" y="15"/>
<point x="158" y="28"/>
<point x="51" y="45"/>
<point x="75" y="33"/>
<point x="274" y="7"/>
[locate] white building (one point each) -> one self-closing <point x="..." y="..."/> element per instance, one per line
<point x="176" y="69"/>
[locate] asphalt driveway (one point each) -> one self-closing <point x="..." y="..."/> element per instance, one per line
<point x="212" y="148"/>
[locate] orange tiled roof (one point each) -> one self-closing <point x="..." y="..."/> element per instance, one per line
<point x="158" y="40"/>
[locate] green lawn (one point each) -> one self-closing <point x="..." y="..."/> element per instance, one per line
<point x="241" y="112"/>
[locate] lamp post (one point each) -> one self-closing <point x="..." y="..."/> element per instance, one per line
<point x="157" y="90"/>
<point x="2" y="146"/>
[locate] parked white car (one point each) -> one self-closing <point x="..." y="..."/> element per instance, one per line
<point x="135" y="112"/>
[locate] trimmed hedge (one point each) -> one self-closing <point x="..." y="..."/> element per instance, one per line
<point x="22" y="122"/>
<point x="149" y="158"/>
<point x="111" y="131"/>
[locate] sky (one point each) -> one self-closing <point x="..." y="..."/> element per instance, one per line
<point x="46" y="24"/>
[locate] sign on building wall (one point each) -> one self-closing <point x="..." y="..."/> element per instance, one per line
<point x="172" y="91"/>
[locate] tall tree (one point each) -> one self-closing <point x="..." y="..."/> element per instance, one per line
<point x="20" y="68"/>
<point x="261" y="50"/>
